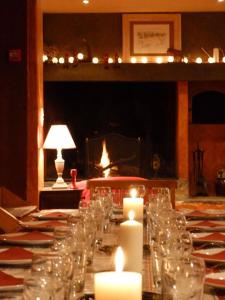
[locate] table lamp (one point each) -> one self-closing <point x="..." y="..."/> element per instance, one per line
<point x="59" y="138"/>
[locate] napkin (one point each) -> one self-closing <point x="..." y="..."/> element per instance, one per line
<point x="218" y="282"/>
<point x="15" y="253"/>
<point x="7" y="280"/>
<point x="34" y="235"/>
<point x="197" y="213"/>
<point x="206" y="224"/>
<point x="202" y="213"/>
<point x="219" y="256"/>
<point x="216" y="236"/>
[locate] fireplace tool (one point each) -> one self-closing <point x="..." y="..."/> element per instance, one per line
<point x="200" y="182"/>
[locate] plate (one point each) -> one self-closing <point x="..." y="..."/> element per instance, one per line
<point x="211" y="254"/>
<point x="30" y="238"/>
<point x="117" y="210"/>
<point x="218" y="237"/>
<point x="215" y="279"/>
<point x="186" y="211"/>
<point x="55" y="214"/>
<point x="48" y="225"/>
<point x="216" y="212"/>
<point x="16" y="287"/>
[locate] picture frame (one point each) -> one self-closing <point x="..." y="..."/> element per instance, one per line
<point x="150" y="35"/>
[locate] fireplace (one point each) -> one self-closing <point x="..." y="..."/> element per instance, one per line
<point x="113" y="155"/>
<point x="142" y="111"/>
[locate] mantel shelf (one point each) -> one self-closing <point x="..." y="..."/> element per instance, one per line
<point x="136" y="72"/>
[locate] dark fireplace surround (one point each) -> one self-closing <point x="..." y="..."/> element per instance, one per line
<point x="141" y="112"/>
<point x="150" y="114"/>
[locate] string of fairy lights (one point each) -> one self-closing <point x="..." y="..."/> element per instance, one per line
<point x="218" y="57"/>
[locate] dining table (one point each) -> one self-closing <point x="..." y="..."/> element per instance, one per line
<point x="16" y="250"/>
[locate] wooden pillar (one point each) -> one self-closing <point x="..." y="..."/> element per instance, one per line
<point x="182" y="139"/>
<point x="21" y="99"/>
<point x="35" y="101"/>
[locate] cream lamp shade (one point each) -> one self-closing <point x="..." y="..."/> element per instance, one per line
<point x="59" y="138"/>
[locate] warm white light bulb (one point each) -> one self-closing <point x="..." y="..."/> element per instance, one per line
<point x="80" y="56"/>
<point x="211" y="60"/>
<point x="61" y="60"/>
<point x="170" y="59"/>
<point x="54" y="60"/>
<point x="120" y="60"/>
<point x="45" y="58"/>
<point x="133" y="60"/>
<point x="85" y="2"/>
<point x="110" y="60"/>
<point x="95" y="60"/>
<point x="158" y="60"/>
<point x="198" y="60"/>
<point x="71" y="59"/>
<point x="144" y="60"/>
<point x="185" y="60"/>
<point x="223" y="59"/>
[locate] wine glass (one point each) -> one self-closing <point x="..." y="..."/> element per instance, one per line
<point x="183" y="278"/>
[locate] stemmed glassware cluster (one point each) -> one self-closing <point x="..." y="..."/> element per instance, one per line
<point x="170" y="241"/>
<point x="60" y="273"/>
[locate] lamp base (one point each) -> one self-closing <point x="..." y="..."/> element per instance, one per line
<point x="60" y="185"/>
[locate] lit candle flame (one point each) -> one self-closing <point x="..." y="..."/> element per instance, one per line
<point x="105" y="160"/>
<point x="131" y="215"/>
<point x="133" y="193"/>
<point x="119" y="260"/>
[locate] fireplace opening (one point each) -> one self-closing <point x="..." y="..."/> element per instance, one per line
<point x="142" y="111"/>
<point x="113" y="155"/>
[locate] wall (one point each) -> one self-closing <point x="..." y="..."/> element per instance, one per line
<point x="103" y="33"/>
<point x="211" y="139"/>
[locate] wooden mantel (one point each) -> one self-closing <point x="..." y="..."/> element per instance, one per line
<point x="135" y="72"/>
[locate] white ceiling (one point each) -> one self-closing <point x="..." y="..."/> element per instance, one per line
<point x="106" y="6"/>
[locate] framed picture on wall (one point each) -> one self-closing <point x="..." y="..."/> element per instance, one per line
<point x="150" y="35"/>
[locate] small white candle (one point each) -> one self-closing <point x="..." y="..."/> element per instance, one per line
<point x="131" y="241"/>
<point x="118" y="285"/>
<point x="135" y="204"/>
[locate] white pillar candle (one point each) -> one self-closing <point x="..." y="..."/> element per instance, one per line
<point x="118" y="285"/>
<point x="135" y="204"/>
<point x="131" y="241"/>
